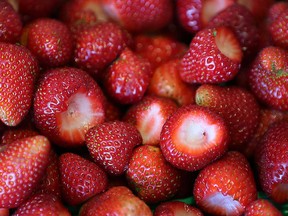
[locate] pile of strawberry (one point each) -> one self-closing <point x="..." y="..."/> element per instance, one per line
<point x="112" y="107"/>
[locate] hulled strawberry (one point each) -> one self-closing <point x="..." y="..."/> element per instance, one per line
<point x="261" y="207"/>
<point x="67" y="103"/>
<point x="111" y="144"/>
<point x="193" y="137"/>
<point x="214" y="56"/>
<point x="81" y="179"/>
<point x="271" y="160"/>
<point x="225" y="187"/>
<point x="150" y="176"/>
<point x="268" y="77"/>
<point x="174" y="208"/>
<point x="19" y="70"/>
<point x="149" y="115"/>
<point x="23" y="163"/>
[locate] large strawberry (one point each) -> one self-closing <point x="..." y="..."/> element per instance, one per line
<point x="23" y="163"/>
<point x="67" y="103"/>
<point x="225" y="187"/>
<point x="19" y="70"/>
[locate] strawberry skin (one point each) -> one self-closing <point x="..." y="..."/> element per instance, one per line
<point x="214" y="56"/>
<point x="10" y="135"/>
<point x="261" y="207"/>
<point x="225" y="187"/>
<point x="19" y="71"/>
<point x="174" y="208"/>
<point x="193" y="137"/>
<point x="23" y="164"/>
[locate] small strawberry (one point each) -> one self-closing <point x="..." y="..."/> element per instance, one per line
<point x="23" y="164"/>
<point x="268" y="77"/>
<point x="271" y="161"/>
<point x="261" y="207"/>
<point x="11" y="134"/>
<point x="67" y="103"/>
<point x="118" y="200"/>
<point x="214" y="56"/>
<point x="150" y="176"/>
<point x="193" y="137"/>
<point x="111" y="144"/>
<point x="174" y="208"/>
<point x="225" y="187"/>
<point x="237" y="106"/>
<point x="81" y="179"/>
<point x="19" y="70"/>
<point x="149" y="115"/>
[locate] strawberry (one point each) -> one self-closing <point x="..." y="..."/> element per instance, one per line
<point x="140" y="16"/>
<point x="271" y="160"/>
<point x="174" y="208"/>
<point x="118" y="200"/>
<point x="261" y="207"/>
<point x="268" y="77"/>
<point x="193" y="137"/>
<point x="214" y="56"/>
<point x="193" y="15"/>
<point x="4" y="211"/>
<point x="11" y="23"/>
<point x="149" y="115"/>
<point x="23" y="164"/>
<point x="225" y="187"/>
<point x="275" y="10"/>
<point x="11" y="134"/>
<point x="19" y="70"/>
<point x="150" y="176"/>
<point x="111" y="144"/>
<point x="67" y="103"/>
<point x="237" y="106"/>
<point x="127" y="78"/>
<point x="49" y="40"/>
<point x="166" y="82"/>
<point x="81" y="179"/>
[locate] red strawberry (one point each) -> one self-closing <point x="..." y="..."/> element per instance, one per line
<point x="261" y="207"/>
<point x="214" y="56"/>
<point x="237" y="106"/>
<point x="268" y="77"/>
<point x="275" y="10"/>
<point x="174" y="208"/>
<point x="81" y="179"/>
<point x="19" y="70"/>
<point x="166" y="82"/>
<point x="151" y="177"/>
<point x="23" y="164"/>
<point x="11" y="24"/>
<point x="67" y="103"/>
<point x="138" y="15"/>
<point x="117" y="200"/>
<point x="149" y="115"/>
<point x="49" y="40"/>
<point x="271" y="160"/>
<point x="225" y="187"/>
<point x="193" y="137"/>
<point x="127" y="78"/>
<point x="4" y="211"/>
<point x="111" y="144"/>
<point x="10" y="135"/>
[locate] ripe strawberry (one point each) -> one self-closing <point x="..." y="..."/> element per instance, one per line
<point x="193" y="137"/>
<point x="275" y="10"/>
<point x="149" y="115"/>
<point x="11" y="24"/>
<point x="81" y="179"/>
<point x="140" y="16"/>
<point x="214" y="56"/>
<point x="268" y="77"/>
<point x="237" y="106"/>
<point x="11" y="134"/>
<point x="150" y="176"/>
<point x="174" y="208"/>
<point x="49" y="40"/>
<point x="261" y="207"/>
<point x="166" y="82"/>
<point x="19" y="70"/>
<point x="23" y="164"/>
<point x="127" y="78"/>
<point x="4" y="211"/>
<point x="111" y="144"/>
<point x="225" y="187"/>
<point x="271" y="160"/>
<point x="118" y="200"/>
<point x="67" y="103"/>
